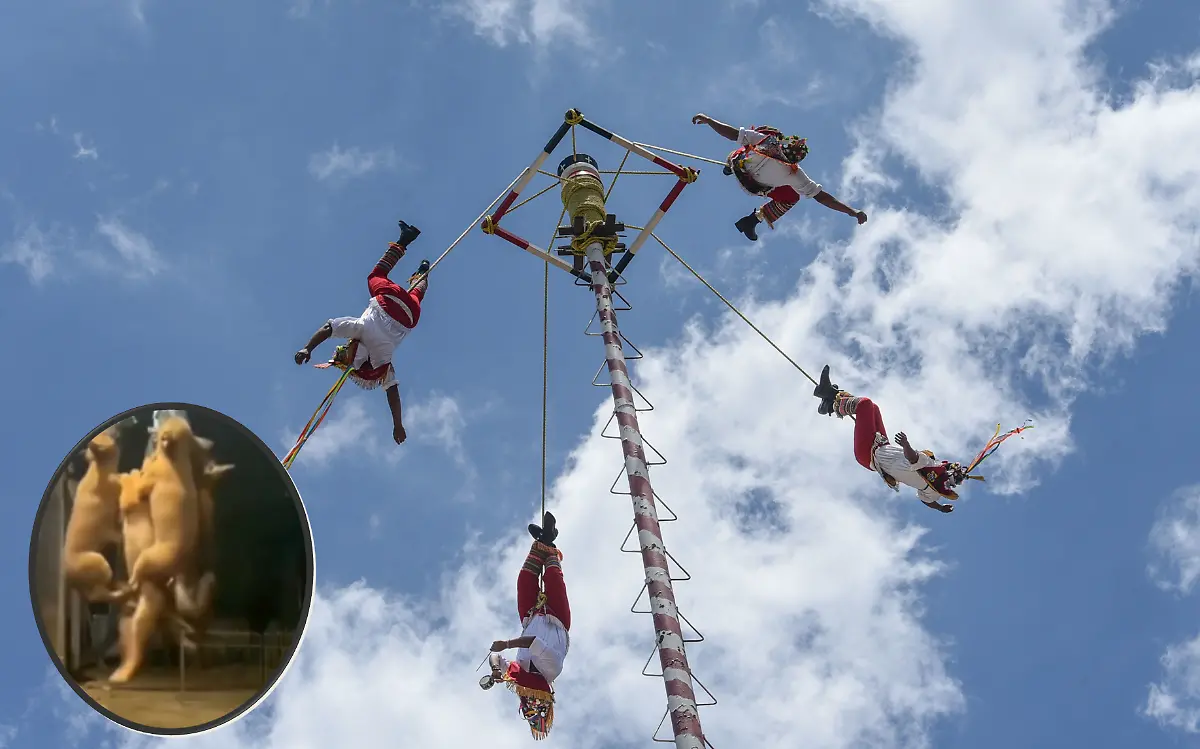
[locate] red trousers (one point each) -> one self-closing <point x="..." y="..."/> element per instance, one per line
<point x="783" y="198"/>
<point x="867" y="423"/>
<point x="556" y="594"/>
<point x="403" y="305"/>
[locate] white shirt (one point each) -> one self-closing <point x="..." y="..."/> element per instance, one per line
<point x="890" y="459"/>
<point x="549" y="648"/>
<point x="770" y="170"/>
<point x="378" y="334"/>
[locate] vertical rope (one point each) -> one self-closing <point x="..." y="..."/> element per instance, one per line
<point x="545" y="369"/>
<point x="546" y="346"/>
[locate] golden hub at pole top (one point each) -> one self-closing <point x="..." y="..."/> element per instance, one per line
<point x="583" y="198"/>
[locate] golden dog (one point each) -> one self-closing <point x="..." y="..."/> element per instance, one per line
<point x="141" y="619"/>
<point x="94" y="522"/>
<point x="171" y="477"/>
<point x="195" y="585"/>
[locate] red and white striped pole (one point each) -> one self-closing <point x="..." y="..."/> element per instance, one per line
<point x="677" y="675"/>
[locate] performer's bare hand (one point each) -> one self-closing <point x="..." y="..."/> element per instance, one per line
<point x="902" y="439"/>
<point x="302" y="356"/>
<point x="399" y="434"/>
<point x="861" y="216"/>
<point x="499" y="646"/>
<point x="701" y="119"/>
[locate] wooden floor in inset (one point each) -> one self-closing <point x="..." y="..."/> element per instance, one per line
<point x="154" y="699"/>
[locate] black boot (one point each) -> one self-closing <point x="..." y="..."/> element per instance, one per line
<point x="827" y="392"/>
<point x="407" y="234"/>
<point x="546" y="532"/>
<point x="419" y="280"/>
<point x="746" y="225"/>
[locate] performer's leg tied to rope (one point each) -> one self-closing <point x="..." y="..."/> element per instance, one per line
<point x="896" y="463"/>
<point x="546" y="620"/>
<point x="392" y="312"/>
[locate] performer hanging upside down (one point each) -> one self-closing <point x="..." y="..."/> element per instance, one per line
<point x="898" y="463"/>
<point x="767" y="164"/>
<point x="374" y="335"/>
<point x="542" y="647"/>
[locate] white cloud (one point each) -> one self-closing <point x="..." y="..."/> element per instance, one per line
<point x="350" y="427"/>
<point x="32" y="249"/>
<point x="438" y="419"/>
<point x="742" y="84"/>
<point x="1069" y="221"/>
<point x="136" y="252"/>
<point x="1175" y="701"/>
<point x="536" y="22"/>
<point x="1175" y="542"/>
<point x="50" y="125"/>
<point x="340" y="165"/>
<point x="82" y="151"/>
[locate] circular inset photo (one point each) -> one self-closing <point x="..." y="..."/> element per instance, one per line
<point x="171" y="569"/>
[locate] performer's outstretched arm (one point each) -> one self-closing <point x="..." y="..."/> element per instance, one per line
<point x="393" y="398"/>
<point x="725" y="131"/>
<point x="323" y="333"/>
<point x="833" y="203"/>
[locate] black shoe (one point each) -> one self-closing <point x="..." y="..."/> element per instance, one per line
<point x="546" y="532"/>
<point x="423" y="268"/>
<point x="549" y="529"/>
<point x="746" y="225"/>
<point x="407" y="234"/>
<point x="827" y="392"/>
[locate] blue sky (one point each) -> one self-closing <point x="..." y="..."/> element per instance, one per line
<point x="187" y="191"/>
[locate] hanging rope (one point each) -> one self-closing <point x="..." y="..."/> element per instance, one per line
<point x="327" y="402"/>
<point x="736" y="311"/>
<point x="546" y="348"/>
<point x="545" y="368"/>
<point x="680" y="153"/>
<point x="417" y="278"/>
<point x="316" y="419"/>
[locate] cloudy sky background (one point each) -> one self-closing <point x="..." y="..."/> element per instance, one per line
<point x="187" y="192"/>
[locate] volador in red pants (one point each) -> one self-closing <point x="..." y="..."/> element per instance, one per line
<point x="545" y="615"/>
<point x="897" y="463"/>
<point x="392" y="312"/>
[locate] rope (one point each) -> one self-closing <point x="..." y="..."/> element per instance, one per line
<point x="613" y="184"/>
<point x="545" y="368"/>
<point x="317" y="417"/>
<point x="327" y="402"/>
<point x="535" y="196"/>
<point x="546" y="350"/>
<point x="417" y="278"/>
<point x="680" y="153"/>
<point x="736" y="311"/>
